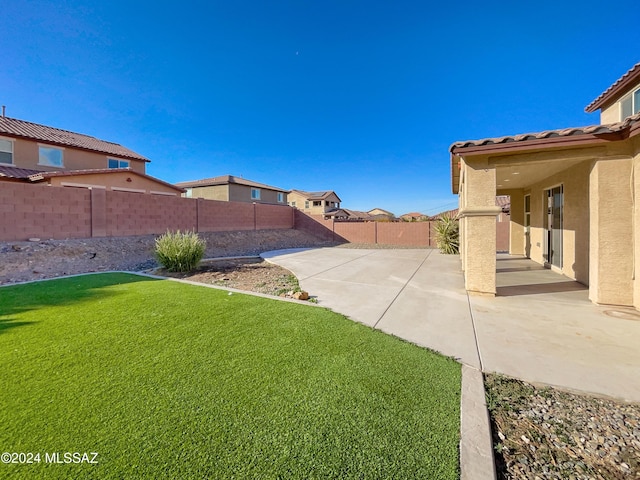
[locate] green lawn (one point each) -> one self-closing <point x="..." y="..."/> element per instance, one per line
<point x="168" y="380"/>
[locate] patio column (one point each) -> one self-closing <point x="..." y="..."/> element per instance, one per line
<point x="516" y="223"/>
<point x="478" y="212"/>
<point x="611" y="233"/>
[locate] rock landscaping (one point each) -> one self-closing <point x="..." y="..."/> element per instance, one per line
<point x="546" y="433"/>
<point x="38" y="259"/>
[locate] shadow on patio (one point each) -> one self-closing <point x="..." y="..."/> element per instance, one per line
<point x="518" y="275"/>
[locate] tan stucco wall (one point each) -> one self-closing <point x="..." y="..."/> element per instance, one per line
<point x="575" y="235"/>
<point x="478" y="212"/>
<point x="516" y="225"/>
<point x="611" y="113"/>
<point x="26" y="154"/>
<point x="611" y="205"/>
<point x="242" y="193"/>
<point x="212" y="192"/>
<point x="113" y="181"/>
<point x="636" y="225"/>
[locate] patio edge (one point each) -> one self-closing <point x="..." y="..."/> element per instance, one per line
<point x="476" y="447"/>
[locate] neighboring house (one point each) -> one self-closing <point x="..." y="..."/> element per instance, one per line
<point x="414" y="217"/>
<point x="502" y="201"/>
<point x="381" y="214"/>
<point x="346" y="214"/>
<point x="33" y="153"/>
<point x="38" y="147"/>
<point x="229" y="188"/>
<point x="314" y="203"/>
<point x="573" y="198"/>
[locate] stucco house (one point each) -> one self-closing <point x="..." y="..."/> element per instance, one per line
<point x="38" y="154"/>
<point x="572" y="195"/>
<point x="229" y="188"/>
<point x="314" y="203"/>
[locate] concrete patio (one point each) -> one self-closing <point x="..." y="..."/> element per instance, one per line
<point x="540" y="328"/>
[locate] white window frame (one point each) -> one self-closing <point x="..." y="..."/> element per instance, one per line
<point x="634" y="97"/>
<point x="11" y="142"/>
<point x="49" y="147"/>
<point x="280" y="197"/>
<point x="255" y="194"/>
<point x="128" y="163"/>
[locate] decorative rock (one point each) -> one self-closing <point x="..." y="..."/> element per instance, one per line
<point x="34" y="239"/>
<point x="301" y="295"/>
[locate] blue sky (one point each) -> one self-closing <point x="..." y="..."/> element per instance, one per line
<point x="360" y="97"/>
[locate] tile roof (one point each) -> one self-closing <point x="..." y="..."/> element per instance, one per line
<point x="225" y="180"/>
<point x="39" y="176"/>
<point x="9" y="171"/>
<point x="317" y="195"/>
<point x="617" y="88"/>
<point x="55" y="136"/>
<point x="629" y="125"/>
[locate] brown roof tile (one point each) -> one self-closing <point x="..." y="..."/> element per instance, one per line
<point x="16" y="172"/>
<point x="617" y="88"/>
<point x="39" y="176"/>
<point x="629" y="124"/>
<point x="55" y="136"/>
<point x="317" y="195"/>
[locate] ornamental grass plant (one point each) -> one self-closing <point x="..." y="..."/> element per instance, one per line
<point x="180" y="251"/>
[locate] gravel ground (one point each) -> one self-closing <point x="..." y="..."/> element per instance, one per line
<point x="23" y="261"/>
<point x="546" y="433"/>
<point x="251" y="274"/>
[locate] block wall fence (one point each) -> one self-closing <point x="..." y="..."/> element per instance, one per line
<point x="28" y="211"/>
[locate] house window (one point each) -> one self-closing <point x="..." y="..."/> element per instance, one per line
<point x="6" y="151"/>
<point x="317" y="203"/>
<point x="114" y="163"/>
<point x="51" y="157"/>
<point x="188" y="193"/>
<point x="255" y="194"/>
<point x="306" y="204"/>
<point x="280" y="197"/>
<point x="630" y="105"/>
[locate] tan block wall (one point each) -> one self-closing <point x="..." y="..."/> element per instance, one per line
<point x="26" y="155"/>
<point x="575" y="235"/>
<point x="611" y="207"/>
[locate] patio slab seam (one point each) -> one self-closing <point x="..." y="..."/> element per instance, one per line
<point x="375" y="325"/>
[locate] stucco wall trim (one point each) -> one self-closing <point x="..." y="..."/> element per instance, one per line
<point x="479" y="212"/>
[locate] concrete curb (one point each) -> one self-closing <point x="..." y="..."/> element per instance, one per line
<point x="476" y="446"/>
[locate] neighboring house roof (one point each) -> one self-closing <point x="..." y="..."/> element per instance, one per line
<point x="614" y="91"/>
<point x="16" y="172"/>
<point x="413" y="215"/>
<point x="40" y="176"/>
<point x="316" y="195"/>
<point x="55" y="136"/>
<point x="566" y="137"/>
<point x="502" y="201"/>
<point x="350" y="214"/>
<point x="380" y="211"/>
<point x="225" y="180"/>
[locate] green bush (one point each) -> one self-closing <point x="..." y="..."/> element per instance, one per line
<point x="180" y="251"/>
<point x="447" y="234"/>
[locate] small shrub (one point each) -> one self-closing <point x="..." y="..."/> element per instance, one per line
<point x="180" y="251"/>
<point x="447" y="234"/>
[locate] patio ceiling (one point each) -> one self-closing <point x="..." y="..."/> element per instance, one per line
<point x="523" y="175"/>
